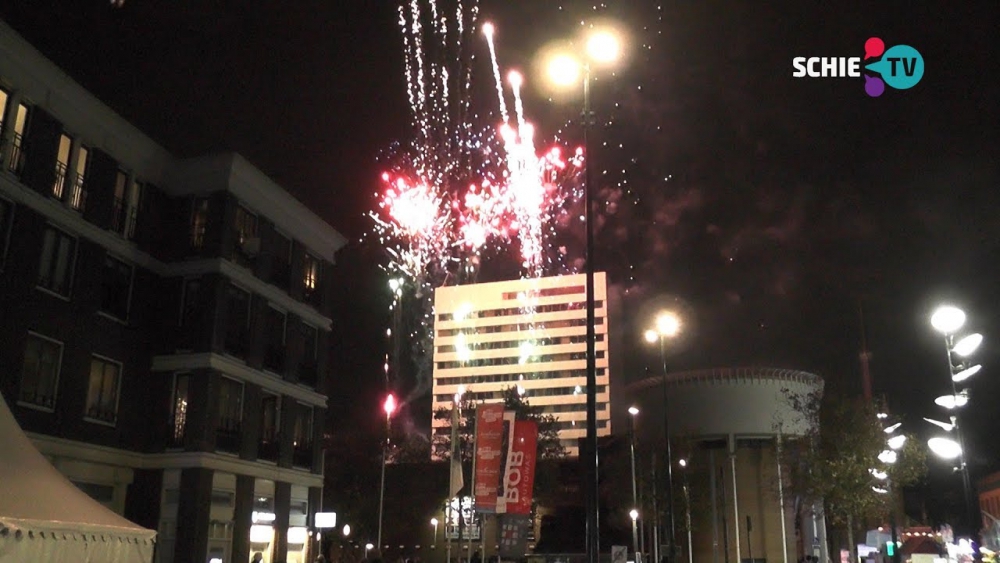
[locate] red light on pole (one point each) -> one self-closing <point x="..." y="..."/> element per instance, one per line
<point x="390" y="405"/>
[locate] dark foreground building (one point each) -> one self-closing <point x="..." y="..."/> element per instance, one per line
<point x="164" y="322"/>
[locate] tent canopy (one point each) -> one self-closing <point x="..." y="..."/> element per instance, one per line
<point x="45" y="517"/>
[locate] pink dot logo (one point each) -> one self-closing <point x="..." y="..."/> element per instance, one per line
<point x="874" y="47"/>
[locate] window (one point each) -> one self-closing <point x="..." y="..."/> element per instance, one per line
<point x="178" y="412"/>
<point x="308" y="368"/>
<point x="116" y="288"/>
<point x="311" y="271"/>
<point x="55" y="269"/>
<point x="281" y="265"/>
<point x="17" y="141"/>
<point x="302" y="436"/>
<point x="230" y="415"/>
<point x="62" y="165"/>
<point x="269" y="424"/>
<point x="40" y="374"/>
<point x="190" y="301"/>
<point x="126" y="205"/>
<point x="4" y="100"/>
<point x="78" y="197"/>
<point x="102" y="392"/>
<point x="237" y="320"/>
<point x="274" y="353"/>
<point x="199" y="222"/>
<point x="6" y="220"/>
<point x="245" y="224"/>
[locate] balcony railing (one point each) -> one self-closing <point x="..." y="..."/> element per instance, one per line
<point x="103" y="415"/>
<point x="40" y="399"/>
<point x="123" y="218"/>
<point x="60" y="181"/>
<point x="78" y="195"/>
<point x="302" y="455"/>
<point x="17" y="154"/>
<point x="227" y="436"/>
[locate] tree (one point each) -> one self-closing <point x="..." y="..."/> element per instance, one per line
<point x="833" y="463"/>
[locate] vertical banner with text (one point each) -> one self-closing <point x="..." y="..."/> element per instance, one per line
<point x="489" y="455"/>
<point x="519" y="470"/>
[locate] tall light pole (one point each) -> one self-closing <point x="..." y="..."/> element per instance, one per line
<point x="667" y="325"/>
<point x="434" y="522"/>
<point x="889" y="457"/>
<point x="948" y="320"/>
<point x="687" y="509"/>
<point x="389" y="406"/>
<point x="634" y="514"/>
<point x="633" y="411"/>
<point x="602" y="47"/>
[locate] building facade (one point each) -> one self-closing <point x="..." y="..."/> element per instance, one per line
<point x="165" y="322"/>
<point x="530" y="334"/>
<point x="729" y="424"/>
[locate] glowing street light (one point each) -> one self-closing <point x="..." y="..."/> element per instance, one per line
<point x="966" y="373"/>
<point x="945" y="448"/>
<point x="947" y="319"/>
<point x="948" y="427"/>
<point x="888" y="456"/>
<point x="565" y="70"/>
<point x="952" y="401"/>
<point x="389" y="407"/>
<point x="667" y="324"/>
<point x="347" y="530"/>
<point x="633" y="410"/>
<point x="434" y="522"/>
<point x="967" y="345"/>
<point x="896" y="442"/>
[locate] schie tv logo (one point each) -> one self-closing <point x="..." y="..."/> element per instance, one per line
<point x="900" y="66"/>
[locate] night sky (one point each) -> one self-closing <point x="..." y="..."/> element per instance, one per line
<point x="775" y="208"/>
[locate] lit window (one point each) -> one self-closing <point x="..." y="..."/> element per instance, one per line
<point x="55" y="269"/>
<point x="199" y="222"/>
<point x="311" y="268"/>
<point x="17" y="140"/>
<point x="125" y="212"/>
<point x="178" y="413"/>
<point x="40" y="373"/>
<point x="62" y="165"/>
<point x="4" y="100"/>
<point x="78" y="197"/>
<point x="102" y="392"/>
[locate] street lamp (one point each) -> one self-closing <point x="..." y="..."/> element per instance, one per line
<point x="368" y="547"/>
<point x="434" y="522"/>
<point x="389" y="406"/>
<point x="948" y="320"/>
<point x="666" y="325"/>
<point x="687" y="509"/>
<point x="633" y="411"/>
<point x="603" y="48"/>
<point x="634" y="514"/>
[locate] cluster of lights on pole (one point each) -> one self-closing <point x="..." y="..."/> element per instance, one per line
<point x="948" y="321"/>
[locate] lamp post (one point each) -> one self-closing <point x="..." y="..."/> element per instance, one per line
<point x="634" y="514"/>
<point x="889" y="457"/>
<point x="389" y="406"/>
<point x="687" y="509"/>
<point x="667" y="325"/>
<point x="434" y="522"/>
<point x="602" y="47"/>
<point x="368" y="547"/>
<point x="948" y="320"/>
<point x="633" y="411"/>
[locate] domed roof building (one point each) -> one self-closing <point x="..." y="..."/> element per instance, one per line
<point x="727" y="425"/>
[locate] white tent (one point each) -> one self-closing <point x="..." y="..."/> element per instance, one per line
<point x="45" y="518"/>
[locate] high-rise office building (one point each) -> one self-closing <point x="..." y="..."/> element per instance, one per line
<point x="527" y="334"/>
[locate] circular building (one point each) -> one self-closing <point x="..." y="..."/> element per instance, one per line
<point x="727" y="424"/>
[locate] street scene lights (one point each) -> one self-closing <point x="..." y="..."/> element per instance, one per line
<point x="389" y="406"/>
<point x="564" y="70"/>
<point x="948" y="320"/>
<point x="634" y="514"/>
<point x="889" y="457"/>
<point x="687" y="510"/>
<point x="434" y="522"/>
<point x="666" y="325"/>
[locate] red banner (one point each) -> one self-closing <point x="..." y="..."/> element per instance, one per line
<point x="519" y="473"/>
<point x="489" y="455"/>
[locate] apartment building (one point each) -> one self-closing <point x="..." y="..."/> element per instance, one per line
<point x="530" y="334"/>
<point x="165" y="322"/>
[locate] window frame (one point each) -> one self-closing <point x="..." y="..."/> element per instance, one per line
<point x="238" y="227"/>
<point x="266" y="394"/>
<point x="184" y="295"/>
<point x="71" y="268"/>
<point x="311" y="259"/>
<point x="15" y="165"/>
<point x="62" y="169"/>
<point x="55" y="380"/>
<point x="300" y="408"/>
<point x="242" y="402"/>
<point x="131" y="287"/>
<point x="196" y="237"/>
<point x="118" y="390"/>
<point x="174" y="439"/>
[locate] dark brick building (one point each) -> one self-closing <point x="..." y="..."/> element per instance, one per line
<point x="164" y="322"/>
